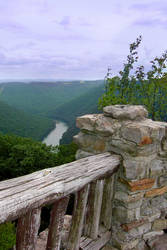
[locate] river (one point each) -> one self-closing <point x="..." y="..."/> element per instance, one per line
<point x="53" y="138"/>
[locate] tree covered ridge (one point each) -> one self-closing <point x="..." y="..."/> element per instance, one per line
<point x="18" y="122"/>
<point x="145" y="88"/>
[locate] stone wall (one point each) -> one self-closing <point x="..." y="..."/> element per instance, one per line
<point x="139" y="212"/>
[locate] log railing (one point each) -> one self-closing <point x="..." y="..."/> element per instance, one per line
<point x="90" y="179"/>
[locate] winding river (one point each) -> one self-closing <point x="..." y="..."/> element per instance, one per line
<point x="53" y="138"/>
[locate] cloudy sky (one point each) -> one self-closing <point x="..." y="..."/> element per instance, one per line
<point x="77" y="39"/>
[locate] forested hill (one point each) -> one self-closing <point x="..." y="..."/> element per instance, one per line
<point x="41" y="98"/>
<point x="84" y="104"/>
<point x="36" y="105"/>
<point x="14" y="121"/>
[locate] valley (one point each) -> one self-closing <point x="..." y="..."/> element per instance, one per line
<point x="30" y="109"/>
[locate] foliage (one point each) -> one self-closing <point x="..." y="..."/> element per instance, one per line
<point x="149" y="89"/>
<point x="20" y="156"/>
<point x="7" y="236"/>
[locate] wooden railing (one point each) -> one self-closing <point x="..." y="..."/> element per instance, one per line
<point x="90" y="179"/>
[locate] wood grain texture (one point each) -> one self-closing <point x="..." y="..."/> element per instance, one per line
<point x="91" y="227"/>
<point x="56" y="224"/>
<point x="20" y="195"/>
<point x="27" y="230"/>
<point x="78" y="219"/>
<point x="96" y="244"/>
<point x="106" y="210"/>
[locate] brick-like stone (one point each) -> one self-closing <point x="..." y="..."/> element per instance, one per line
<point x="139" y="184"/>
<point x="159" y="224"/>
<point x="156" y="192"/>
<point x="124" y="215"/>
<point x="129" y="226"/>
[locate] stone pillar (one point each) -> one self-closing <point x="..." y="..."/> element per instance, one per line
<point x="140" y="193"/>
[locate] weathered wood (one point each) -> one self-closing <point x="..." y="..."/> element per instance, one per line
<point x="19" y="195"/>
<point x="97" y="244"/>
<point x="27" y="230"/>
<point x="78" y="219"/>
<point x="56" y="224"/>
<point x="106" y="211"/>
<point x="91" y="227"/>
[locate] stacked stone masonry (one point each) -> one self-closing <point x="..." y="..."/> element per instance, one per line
<point x="139" y="212"/>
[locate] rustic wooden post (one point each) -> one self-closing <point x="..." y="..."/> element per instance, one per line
<point x="94" y="208"/>
<point x="106" y="211"/>
<point x="56" y="224"/>
<point x="78" y="219"/>
<point x="27" y="230"/>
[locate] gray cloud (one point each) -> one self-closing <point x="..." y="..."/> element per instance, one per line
<point x="77" y="39"/>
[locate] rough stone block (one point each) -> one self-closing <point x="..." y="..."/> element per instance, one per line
<point x="135" y="133"/>
<point x="124" y="215"/>
<point x="91" y="143"/>
<point x="162" y="181"/>
<point x="126" y="112"/>
<point x="157" y="168"/>
<point x="98" y="123"/>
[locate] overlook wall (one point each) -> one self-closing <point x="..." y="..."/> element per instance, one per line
<point x="139" y="204"/>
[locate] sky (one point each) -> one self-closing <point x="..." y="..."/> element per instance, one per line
<point x="77" y="39"/>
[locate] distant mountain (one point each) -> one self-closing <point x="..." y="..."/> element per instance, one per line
<point x="40" y="98"/>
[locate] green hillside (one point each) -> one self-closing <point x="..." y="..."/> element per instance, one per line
<point x="84" y="104"/>
<point x="32" y="107"/>
<point x="41" y="98"/>
<point x="14" y="121"/>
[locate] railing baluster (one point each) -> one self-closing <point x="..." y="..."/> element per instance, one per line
<point x="56" y="224"/>
<point x="27" y="230"/>
<point x="78" y="219"/>
<point x="106" y="211"/>
<point x="93" y="210"/>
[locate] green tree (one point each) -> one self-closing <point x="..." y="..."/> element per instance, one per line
<point x="7" y="236"/>
<point x="149" y="89"/>
<point x="20" y="156"/>
<point x="119" y="89"/>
